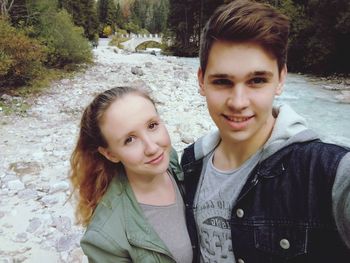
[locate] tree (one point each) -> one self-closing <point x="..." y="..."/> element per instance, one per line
<point x="320" y="33"/>
<point x="185" y="22"/>
<point x="6" y="6"/>
<point x="84" y="14"/>
<point x="107" y="12"/>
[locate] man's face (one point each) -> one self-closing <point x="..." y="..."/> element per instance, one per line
<point x="240" y="83"/>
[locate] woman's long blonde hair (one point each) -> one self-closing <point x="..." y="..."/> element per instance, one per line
<point x="91" y="172"/>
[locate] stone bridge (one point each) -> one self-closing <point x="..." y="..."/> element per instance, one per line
<point x="137" y="39"/>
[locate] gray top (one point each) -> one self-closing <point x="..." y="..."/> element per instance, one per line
<point x="214" y="202"/>
<point x="170" y="224"/>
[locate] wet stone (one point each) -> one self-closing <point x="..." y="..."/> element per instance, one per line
<point x="49" y="200"/>
<point x="23" y="168"/>
<point x="15" y="185"/>
<point x="21" y="238"/>
<point x="58" y="187"/>
<point x="65" y="243"/>
<point x="34" y="224"/>
<point x="27" y="194"/>
<point x="62" y="223"/>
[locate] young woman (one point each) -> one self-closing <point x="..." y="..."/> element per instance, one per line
<point x="126" y="176"/>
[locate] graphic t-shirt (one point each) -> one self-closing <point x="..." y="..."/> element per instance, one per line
<point x="215" y="197"/>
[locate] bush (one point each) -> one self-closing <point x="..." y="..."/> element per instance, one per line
<point x="66" y="43"/>
<point x="20" y="56"/>
<point x="121" y="32"/>
<point x="107" y="31"/>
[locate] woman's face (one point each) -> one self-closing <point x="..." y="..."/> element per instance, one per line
<point x="136" y="136"/>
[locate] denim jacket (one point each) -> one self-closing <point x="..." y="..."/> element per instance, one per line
<point x="284" y="211"/>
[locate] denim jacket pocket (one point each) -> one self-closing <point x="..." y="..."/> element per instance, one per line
<point x="283" y="241"/>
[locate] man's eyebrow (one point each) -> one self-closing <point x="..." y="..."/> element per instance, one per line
<point x="223" y="76"/>
<point x="261" y="73"/>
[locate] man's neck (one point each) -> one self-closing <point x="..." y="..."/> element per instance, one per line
<point x="231" y="155"/>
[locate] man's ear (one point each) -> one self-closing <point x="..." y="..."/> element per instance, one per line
<point x="282" y="79"/>
<point x="200" y="76"/>
<point x="108" y="155"/>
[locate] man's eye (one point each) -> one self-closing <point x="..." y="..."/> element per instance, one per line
<point x="222" y="82"/>
<point x="258" y="80"/>
<point x="153" y="125"/>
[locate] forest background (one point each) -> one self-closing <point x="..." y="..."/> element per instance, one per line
<point x="42" y="39"/>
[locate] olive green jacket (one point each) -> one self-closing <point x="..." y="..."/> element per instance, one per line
<point x="118" y="230"/>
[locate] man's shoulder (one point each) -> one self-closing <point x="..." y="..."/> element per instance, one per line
<point x="201" y="147"/>
<point x="310" y="153"/>
<point x="315" y="146"/>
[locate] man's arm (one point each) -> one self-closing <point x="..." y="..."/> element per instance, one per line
<point x="341" y="199"/>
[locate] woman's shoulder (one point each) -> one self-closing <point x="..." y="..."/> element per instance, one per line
<point x="174" y="165"/>
<point x="109" y="211"/>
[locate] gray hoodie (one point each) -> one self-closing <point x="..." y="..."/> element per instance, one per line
<point x="291" y="128"/>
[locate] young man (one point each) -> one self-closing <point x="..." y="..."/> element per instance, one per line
<point x="263" y="188"/>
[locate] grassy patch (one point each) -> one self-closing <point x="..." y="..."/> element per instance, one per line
<point x="19" y="104"/>
<point x="116" y="41"/>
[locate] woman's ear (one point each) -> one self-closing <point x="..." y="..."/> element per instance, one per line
<point x="108" y="154"/>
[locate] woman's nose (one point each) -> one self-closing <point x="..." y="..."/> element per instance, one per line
<point x="151" y="147"/>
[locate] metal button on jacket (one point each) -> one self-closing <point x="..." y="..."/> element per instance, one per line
<point x="240" y="260"/>
<point x="284" y="243"/>
<point x="239" y="212"/>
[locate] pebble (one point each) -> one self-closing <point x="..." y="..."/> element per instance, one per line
<point x="34" y="224"/>
<point x="59" y="187"/>
<point x="27" y="194"/>
<point x="15" y="185"/>
<point x="49" y="200"/>
<point x="21" y="238"/>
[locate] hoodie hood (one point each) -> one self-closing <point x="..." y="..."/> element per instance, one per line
<point x="289" y="128"/>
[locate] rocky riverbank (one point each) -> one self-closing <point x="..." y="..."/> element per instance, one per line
<point x="36" y="216"/>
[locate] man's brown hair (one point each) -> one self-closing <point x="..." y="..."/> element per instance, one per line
<point x="247" y="21"/>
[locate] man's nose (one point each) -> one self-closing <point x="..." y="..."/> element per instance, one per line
<point x="238" y="98"/>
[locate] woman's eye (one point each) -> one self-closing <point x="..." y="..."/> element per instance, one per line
<point x="128" y="140"/>
<point x="153" y="125"/>
<point x="222" y="82"/>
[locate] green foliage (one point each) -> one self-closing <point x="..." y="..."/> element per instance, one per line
<point x="107" y="31"/>
<point x="84" y="15"/>
<point x="120" y="31"/>
<point x="150" y="15"/>
<point x="66" y="42"/>
<point x="20" y="57"/>
<point x="132" y="27"/>
<point x="320" y="35"/>
<point x="107" y="15"/>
